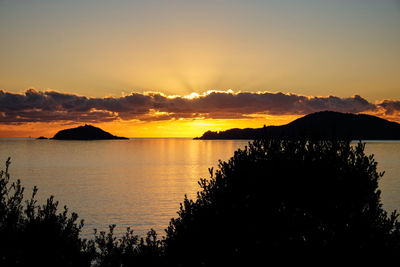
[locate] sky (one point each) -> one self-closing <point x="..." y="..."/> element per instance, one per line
<point x="178" y="68"/>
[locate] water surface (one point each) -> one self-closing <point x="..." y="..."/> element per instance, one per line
<point x="137" y="182"/>
<point x="140" y="182"/>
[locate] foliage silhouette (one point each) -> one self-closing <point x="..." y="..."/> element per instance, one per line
<point x="128" y="250"/>
<point x="285" y="198"/>
<point x="37" y="235"/>
<point x="274" y="199"/>
<point x="34" y="235"/>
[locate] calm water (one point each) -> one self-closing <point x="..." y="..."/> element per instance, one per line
<point x="137" y="183"/>
<point x="140" y="182"/>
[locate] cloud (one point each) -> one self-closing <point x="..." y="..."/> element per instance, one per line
<point x="48" y="106"/>
<point x="390" y="107"/>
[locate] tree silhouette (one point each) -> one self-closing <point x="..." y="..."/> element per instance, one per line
<point x="279" y="199"/>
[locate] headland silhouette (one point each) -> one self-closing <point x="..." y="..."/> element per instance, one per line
<point x="323" y="125"/>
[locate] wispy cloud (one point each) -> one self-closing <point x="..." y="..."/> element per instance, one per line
<point x="50" y="106"/>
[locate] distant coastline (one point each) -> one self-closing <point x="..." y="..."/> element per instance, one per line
<point x="321" y="125"/>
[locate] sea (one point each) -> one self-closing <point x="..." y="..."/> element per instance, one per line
<point x="140" y="182"/>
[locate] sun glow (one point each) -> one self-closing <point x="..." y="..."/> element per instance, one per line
<point x="190" y="128"/>
<point x="182" y="128"/>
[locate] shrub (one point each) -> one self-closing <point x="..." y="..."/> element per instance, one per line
<point x="39" y="235"/>
<point x="128" y="250"/>
<point x="34" y="235"/>
<point x="284" y="198"/>
<point x="275" y="198"/>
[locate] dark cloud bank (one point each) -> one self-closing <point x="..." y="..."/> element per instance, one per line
<point x="49" y="106"/>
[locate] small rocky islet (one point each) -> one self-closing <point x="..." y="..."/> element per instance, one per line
<point x="86" y="132"/>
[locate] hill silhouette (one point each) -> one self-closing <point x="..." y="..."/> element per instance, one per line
<point x="323" y="125"/>
<point x="87" y="132"/>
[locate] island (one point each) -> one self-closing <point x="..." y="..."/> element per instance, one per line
<point x="87" y="132"/>
<point x="42" y="138"/>
<point x="320" y="125"/>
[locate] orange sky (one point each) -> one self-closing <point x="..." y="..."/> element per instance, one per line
<point x="308" y="55"/>
<point x="171" y="128"/>
<point x="134" y="128"/>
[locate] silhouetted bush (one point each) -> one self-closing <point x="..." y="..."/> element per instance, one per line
<point x="283" y="200"/>
<point x="276" y="199"/>
<point x="34" y="235"/>
<point x="128" y="250"/>
<point x="39" y="235"/>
